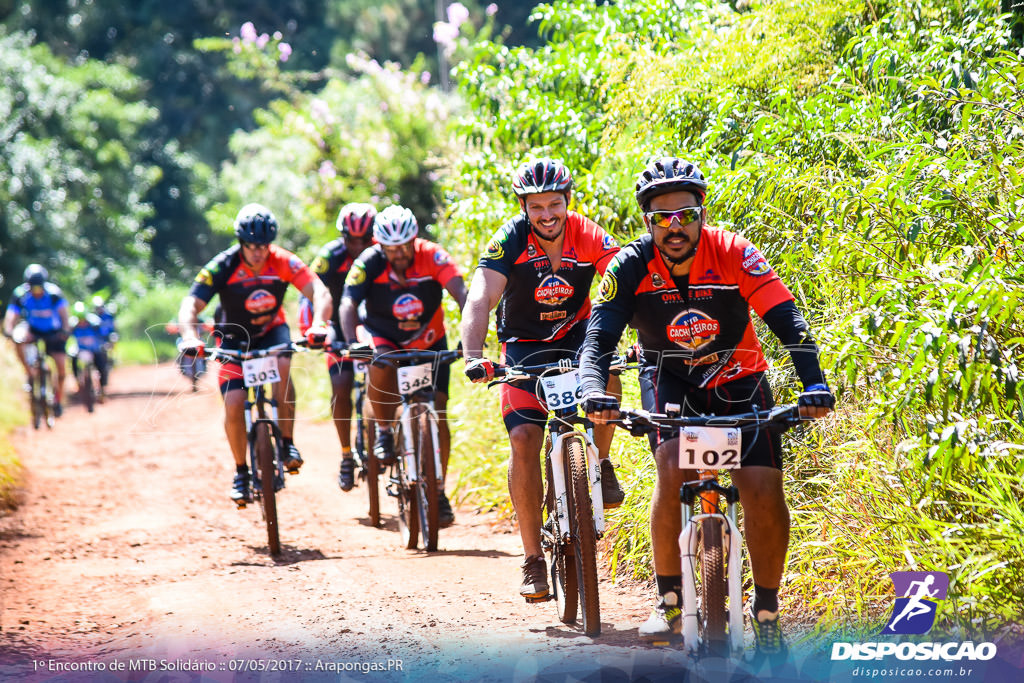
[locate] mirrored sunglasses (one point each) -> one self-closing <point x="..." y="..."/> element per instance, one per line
<point x="663" y="219"/>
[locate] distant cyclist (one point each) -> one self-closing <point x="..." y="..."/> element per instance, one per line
<point x="537" y="271"/>
<point x="42" y="310"/>
<point x="688" y="288"/>
<point x="87" y="330"/>
<point x="332" y="264"/>
<point x="395" y="289"/>
<point x="251" y="278"/>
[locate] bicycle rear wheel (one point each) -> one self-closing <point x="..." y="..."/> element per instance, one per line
<point x="37" y="400"/>
<point x="584" y="538"/>
<point x="712" y="588"/>
<point x="264" y="449"/>
<point x="369" y="464"/>
<point x="426" y="487"/>
<point x="563" y="561"/>
<point x="45" y="400"/>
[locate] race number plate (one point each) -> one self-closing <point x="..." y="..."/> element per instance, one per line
<point x="562" y="391"/>
<point x="415" y="377"/>
<point x="257" y="371"/>
<point x="84" y="356"/>
<point x="709" y="448"/>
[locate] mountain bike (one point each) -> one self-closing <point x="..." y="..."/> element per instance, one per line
<point x="192" y="367"/>
<point x="415" y="480"/>
<point x="573" y="502"/>
<point x="85" y="365"/>
<point x="369" y="466"/>
<point x="710" y="543"/>
<point x="41" y="395"/>
<point x="259" y="374"/>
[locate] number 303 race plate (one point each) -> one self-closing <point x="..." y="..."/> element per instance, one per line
<point x="709" y="448"/>
<point x="259" y="371"/>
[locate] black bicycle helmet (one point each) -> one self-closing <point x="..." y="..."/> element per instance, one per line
<point x="543" y="175"/>
<point x="669" y="174"/>
<point x="35" y="275"/>
<point x="255" y="224"/>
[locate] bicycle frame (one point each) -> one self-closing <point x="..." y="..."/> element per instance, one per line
<point x="560" y="429"/>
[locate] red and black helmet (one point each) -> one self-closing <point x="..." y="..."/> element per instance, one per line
<point x="669" y="174"/>
<point x="542" y="175"/>
<point x="356" y="219"/>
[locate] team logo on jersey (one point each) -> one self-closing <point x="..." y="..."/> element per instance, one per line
<point x="753" y="262"/>
<point x="692" y="329"/>
<point x="531" y="250"/>
<point x="608" y="242"/>
<point x="608" y="288"/>
<point x="553" y="291"/>
<point x="356" y="276"/>
<point x="320" y="265"/>
<point x="657" y="281"/>
<point x="204" y="277"/>
<point x="295" y="264"/>
<point x="494" y="250"/>
<point x="407" y="307"/>
<point x="440" y="258"/>
<point x="260" y="301"/>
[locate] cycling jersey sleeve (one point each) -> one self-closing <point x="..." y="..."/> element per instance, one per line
<point x="363" y="272"/>
<point x="210" y="279"/>
<point x="758" y="282"/>
<point x="503" y="249"/>
<point x="612" y="312"/>
<point x="786" y="323"/>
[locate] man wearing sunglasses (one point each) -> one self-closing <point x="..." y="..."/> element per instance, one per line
<point x="251" y="278"/>
<point x="537" y="271"/>
<point x="332" y="264"/>
<point x="43" y="311"/>
<point x="688" y="289"/>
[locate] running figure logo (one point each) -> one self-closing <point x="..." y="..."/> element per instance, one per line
<point x="914" y="612"/>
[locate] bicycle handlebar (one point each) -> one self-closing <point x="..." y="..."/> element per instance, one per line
<point x="516" y="373"/>
<point x="640" y="422"/>
<point x="276" y="350"/>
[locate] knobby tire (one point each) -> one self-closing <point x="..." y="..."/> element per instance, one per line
<point x="370" y="464"/>
<point x="563" y="560"/>
<point x="264" y="448"/>
<point x="426" y="488"/>
<point x="581" y="516"/>
<point x="408" y="513"/>
<point x="712" y="587"/>
<point x="87" y="387"/>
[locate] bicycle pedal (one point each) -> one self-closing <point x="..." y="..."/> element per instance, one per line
<point x="240" y="504"/>
<point x="543" y="598"/>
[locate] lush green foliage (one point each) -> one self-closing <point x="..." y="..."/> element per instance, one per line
<point x="874" y="154"/>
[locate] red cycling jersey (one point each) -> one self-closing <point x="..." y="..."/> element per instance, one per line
<point x="410" y="314"/>
<point x="250" y="302"/>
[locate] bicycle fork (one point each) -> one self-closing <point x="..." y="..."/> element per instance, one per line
<point x="593" y="477"/>
<point x="409" y="447"/>
<point x="706" y="491"/>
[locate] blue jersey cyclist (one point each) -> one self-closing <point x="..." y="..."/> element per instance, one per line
<point x="251" y="279"/>
<point x="395" y="290"/>
<point x="537" y="271"/>
<point x="38" y="310"/>
<point x="688" y="288"/>
<point x="87" y="331"/>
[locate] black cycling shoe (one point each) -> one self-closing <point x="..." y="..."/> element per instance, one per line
<point x="240" y="493"/>
<point x="445" y="515"/>
<point x="611" y="492"/>
<point x="384" y="448"/>
<point x="290" y="459"/>
<point x="346" y="474"/>
<point x="57" y="409"/>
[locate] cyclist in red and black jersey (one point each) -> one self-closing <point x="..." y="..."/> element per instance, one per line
<point x="537" y="271"/>
<point x="332" y="264"/>
<point x="394" y="289"/>
<point x="251" y="279"/>
<point x="688" y="289"/>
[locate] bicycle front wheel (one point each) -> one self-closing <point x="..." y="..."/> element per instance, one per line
<point x="712" y="589"/>
<point x="263" y="446"/>
<point x="584" y="536"/>
<point x="563" y="561"/>
<point x="426" y="487"/>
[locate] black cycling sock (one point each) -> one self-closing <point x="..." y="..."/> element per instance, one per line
<point x="287" y="441"/>
<point x="241" y="469"/>
<point x="671" y="584"/>
<point x="766" y="599"/>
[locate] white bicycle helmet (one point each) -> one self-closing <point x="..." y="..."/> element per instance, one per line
<point x="395" y="225"/>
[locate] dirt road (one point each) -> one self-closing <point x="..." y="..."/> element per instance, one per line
<point x="126" y="550"/>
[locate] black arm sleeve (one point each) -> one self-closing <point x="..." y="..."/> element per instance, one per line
<point x="603" y="333"/>
<point x="786" y="322"/>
